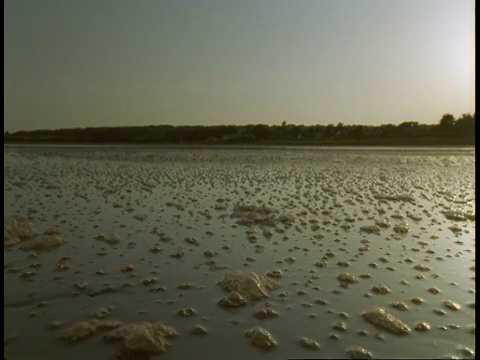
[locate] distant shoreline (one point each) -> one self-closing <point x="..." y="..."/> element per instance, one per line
<point x="449" y="132"/>
<point x="400" y="143"/>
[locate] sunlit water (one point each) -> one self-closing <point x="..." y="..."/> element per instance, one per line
<point x="330" y="193"/>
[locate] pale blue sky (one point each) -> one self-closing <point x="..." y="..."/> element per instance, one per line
<point x="79" y="63"/>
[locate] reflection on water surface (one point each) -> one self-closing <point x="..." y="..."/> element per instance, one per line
<point x="126" y="235"/>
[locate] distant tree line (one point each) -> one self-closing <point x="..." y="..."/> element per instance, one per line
<point x="449" y="130"/>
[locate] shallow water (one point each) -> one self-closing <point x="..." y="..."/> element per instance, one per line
<point x="329" y="194"/>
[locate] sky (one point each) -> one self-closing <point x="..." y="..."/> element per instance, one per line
<point x="71" y="63"/>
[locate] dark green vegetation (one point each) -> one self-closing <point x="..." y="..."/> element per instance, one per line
<point x="448" y="131"/>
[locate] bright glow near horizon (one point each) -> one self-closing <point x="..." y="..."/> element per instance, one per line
<point x="116" y="63"/>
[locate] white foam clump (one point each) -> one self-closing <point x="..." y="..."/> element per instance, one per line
<point x="400" y="197"/>
<point x="359" y="353"/>
<point x="17" y="228"/>
<point x="458" y="215"/>
<point x="386" y="321"/>
<point x="346" y="278"/>
<point x="84" y="329"/>
<point x="261" y="338"/>
<point x="401" y="228"/>
<point x="371" y="229"/>
<point x="263" y="215"/>
<point x="248" y="284"/>
<point x="308" y="343"/>
<point x="251" y="214"/>
<point x="192" y="240"/>
<point x="265" y="313"/>
<point x="50" y="239"/>
<point x="232" y="300"/>
<point x="384" y="223"/>
<point x="110" y="239"/>
<point x="143" y="337"/>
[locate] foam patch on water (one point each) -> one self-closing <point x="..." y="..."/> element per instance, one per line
<point x="386" y="321"/>
<point x="16" y="229"/>
<point x="248" y="284"/>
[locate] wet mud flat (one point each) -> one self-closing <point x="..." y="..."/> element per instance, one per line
<point x="261" y="253"/>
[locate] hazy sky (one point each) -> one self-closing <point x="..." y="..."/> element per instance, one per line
<point x="79" y="63"/>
